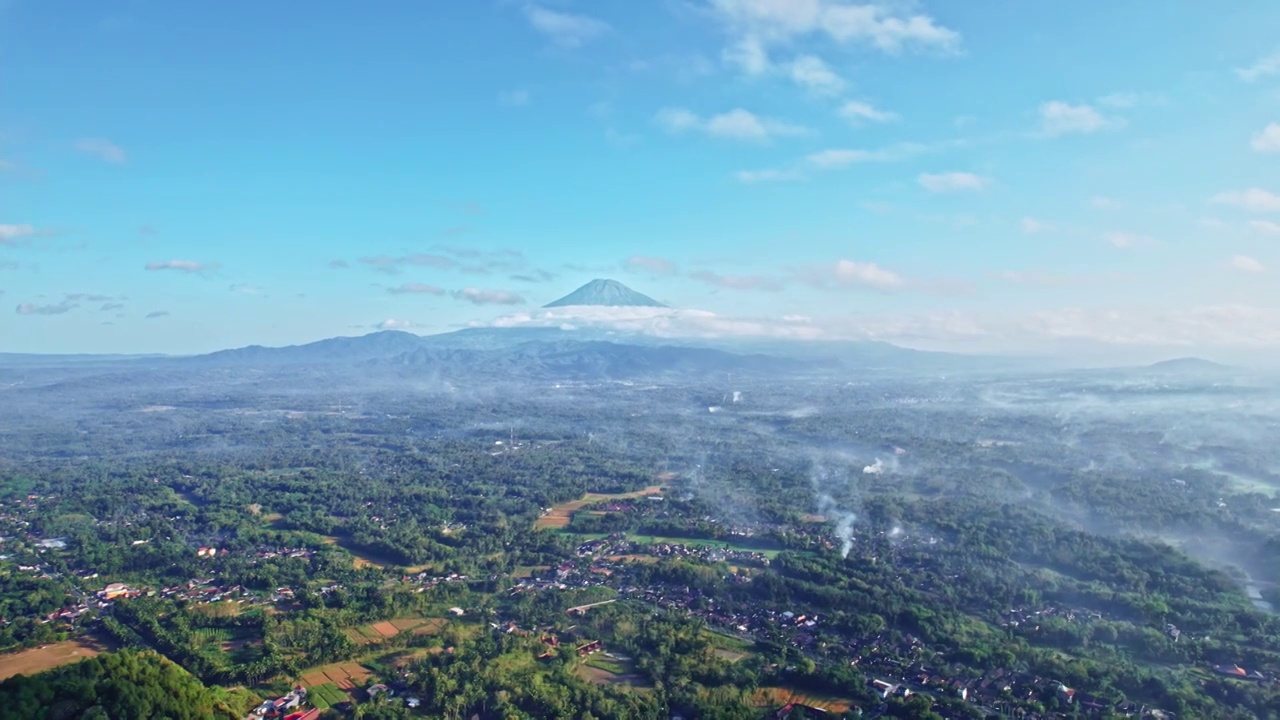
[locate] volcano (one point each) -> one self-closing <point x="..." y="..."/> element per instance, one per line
<point x="607" y="293"/>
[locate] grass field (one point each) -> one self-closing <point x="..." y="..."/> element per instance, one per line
<point x="778" y="696"/>
<point x="728" y="647"/>
<point x="608" y="664"/>
<point x="224" y="609"/>
<point x="561" y="515"/>
<point x="37" y="660"/>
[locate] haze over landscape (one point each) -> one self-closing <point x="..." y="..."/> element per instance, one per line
<point x="981" y="177"/>
<point x="733" y="359"/>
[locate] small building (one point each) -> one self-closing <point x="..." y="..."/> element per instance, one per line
<point x="113" y="591"/>
<point x="457" y="611"/>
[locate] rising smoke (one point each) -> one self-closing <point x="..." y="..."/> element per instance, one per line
<point x="824" y="482"/>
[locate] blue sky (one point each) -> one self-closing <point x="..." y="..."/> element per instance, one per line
<point x="1006" y="175"/>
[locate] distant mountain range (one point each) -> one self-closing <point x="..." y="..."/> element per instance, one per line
<point x="605" y="293"/>
<point x="580" y="353"/>
<point x="1188" y="365"/>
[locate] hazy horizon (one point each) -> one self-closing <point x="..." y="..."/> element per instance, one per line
<point x="979" y="179"/>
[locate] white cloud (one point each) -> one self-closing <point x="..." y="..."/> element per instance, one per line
<point x="867" y="274"/>
<point x="1268" y="140"/>
<point x="394" y="265"/>
<point x="1266" y="227"/>
<point x="749" y="55"/>
<point x="11" y="234"/>
<point x="565" y="29"/>
<point x="619" y="139"/>
<point x="736" y="282"/>
<point x="811" y="73"/>
<point x="753" y="177"/>
<point x="1246" y="264"/>
<point x="856" y="111"/>
<point x="156" y="314"/>
<point x="515" y="98"/>
<point x="476" y="296"/>
<point x="1263" y="68"/>
<point x="677" y="120"/>
<point x="1125" y="100"/>
<point x="1043" y="278"/>
<point x="416" y="289"/>
<point x="393" y="324"/>
<point x="1060" y="118"/>
<point x="1031" y="226"/>
<point x="737" y="124"/>
<point x="102" y="149"/>
<point x="655" y="265"/>
<point x="56" y="309"/>
<point x="887" y="27"/>
<point x="951" y="182"/>
<point x="846" y="273"/>
<point x="1128" y="240"/>
<point x="663" y="322"/>
<point x="836" y="158"/>
<point x="186" y="266"/>
<point x="1104" y="203"/>
<point x="1227" y="326"/>
<point x="1254" y="199"/>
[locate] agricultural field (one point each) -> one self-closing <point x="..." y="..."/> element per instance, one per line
<point x="559" y="516"/>
<point x="37" y="660"/>
<point x="326" y="695"/>
<point x="379" y="631"/>
<point x="606" y="670"/>
<point x="240" y="646"/>
<point x="362" y="559"/>
<point x="345" y="676"/>
<point x="772" y="697"/>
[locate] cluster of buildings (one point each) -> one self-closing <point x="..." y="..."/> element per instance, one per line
<point x="202" y="591"/>
<point x="425" y="581"/>
<point x="1026" y="617"/>
<point x="288" y="707"/>
<point x="998" y="689"/>
<point x="617" y="545"/>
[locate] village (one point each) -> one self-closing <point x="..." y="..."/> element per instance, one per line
<point x="900" y="668"/>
